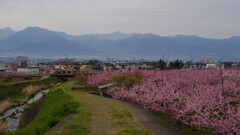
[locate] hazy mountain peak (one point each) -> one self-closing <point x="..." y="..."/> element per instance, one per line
<point x="235" y="37"/>
<point x="7" y="29"/>
<point x="35" y="29"/>
<point x="117" y="32"/>
<point x="6" y="32"/>
<point x="113" y="36"/>
<point x="34" y="35"/>
<point x="36" y="41"/>
<point x="151" y="35"/>
<point x="186" y="36"/>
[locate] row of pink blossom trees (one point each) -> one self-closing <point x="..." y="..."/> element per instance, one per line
<point x="196" y="98"/>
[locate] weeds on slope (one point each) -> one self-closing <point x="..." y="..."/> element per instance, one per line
<point x="57" y="105"/>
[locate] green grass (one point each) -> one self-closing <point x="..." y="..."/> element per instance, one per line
<point x="121" y="120"/>
<point x="80" y="125"/>
<point x="78" y="87"/>
<point x="8" y="91"/>
<point x="16" y="98"/>
<point x="17" y="79"/>
<point x="118" y="115"/>
<point x="11" y="80"/>
<point x="133" y="132"/>
<point x="47" y="81"/>
<point x="57" y="105"/>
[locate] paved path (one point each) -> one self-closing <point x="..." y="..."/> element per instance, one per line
<point x="151" y="122"/>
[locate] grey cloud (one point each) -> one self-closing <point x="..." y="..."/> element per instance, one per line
<point x="208" y="18"/>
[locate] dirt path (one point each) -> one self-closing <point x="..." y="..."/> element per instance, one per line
<point x="106" y="117"/>
<point x="151" y="122"/>
<point x="112" y="117"/>
<point x="102" y="120"/>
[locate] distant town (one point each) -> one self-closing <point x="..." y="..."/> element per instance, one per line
<point x="22" y="65"/>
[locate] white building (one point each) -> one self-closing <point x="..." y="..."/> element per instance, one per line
<point x="214" y="66"/>
<point x="30" y="70"/>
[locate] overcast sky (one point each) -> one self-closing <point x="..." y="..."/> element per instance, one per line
<point x="207" y="18"/>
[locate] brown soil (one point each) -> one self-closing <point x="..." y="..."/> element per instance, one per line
<point x="31" y="113"/>
<point x="2" y="127"/>
<point x="4" y="104"/>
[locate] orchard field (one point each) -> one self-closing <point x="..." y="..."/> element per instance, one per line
<point x="200" y="98"/>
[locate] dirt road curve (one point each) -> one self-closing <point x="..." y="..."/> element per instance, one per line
<point x="151" y="122"/>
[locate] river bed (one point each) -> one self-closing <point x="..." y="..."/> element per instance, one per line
<point x="13" y="115"/>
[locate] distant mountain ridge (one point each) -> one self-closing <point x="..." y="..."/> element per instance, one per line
<point x="6" y="32"/>
<point x="39" y="42"/>
<point x="113" y="36"/>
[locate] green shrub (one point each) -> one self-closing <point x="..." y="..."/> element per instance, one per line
<point x="7" y="91"/>
<point x="127" y="80"/>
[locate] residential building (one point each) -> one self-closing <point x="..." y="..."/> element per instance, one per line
<point x="5" y="67"/>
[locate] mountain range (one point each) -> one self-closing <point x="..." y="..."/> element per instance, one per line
<point x="40" y="42"/>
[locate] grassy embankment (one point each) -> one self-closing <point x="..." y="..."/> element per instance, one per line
<point x="11" y="80"/>
<point x="57" y="105"/>
<point x="13" y="95"/>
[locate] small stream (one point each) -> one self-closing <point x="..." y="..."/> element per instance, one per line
<point x="13" y="115"/>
